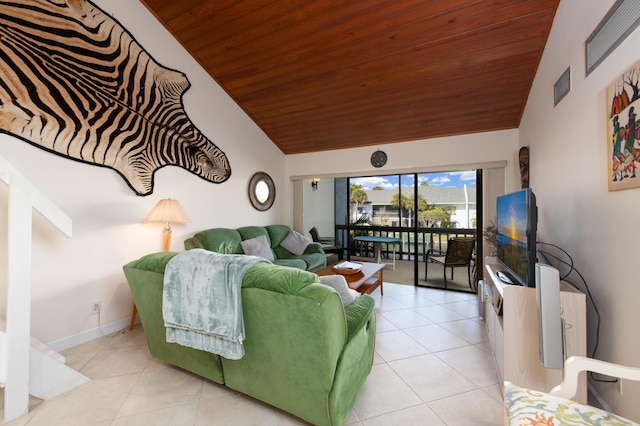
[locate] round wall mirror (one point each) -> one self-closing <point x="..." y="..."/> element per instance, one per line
<point x="262" y="191"/>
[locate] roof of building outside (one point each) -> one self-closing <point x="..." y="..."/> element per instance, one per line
<point x="433" y="194"/>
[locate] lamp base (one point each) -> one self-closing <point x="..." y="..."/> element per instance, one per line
<point x="166" y="239"/>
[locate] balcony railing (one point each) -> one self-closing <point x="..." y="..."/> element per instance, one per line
<point x="428" y="238"/>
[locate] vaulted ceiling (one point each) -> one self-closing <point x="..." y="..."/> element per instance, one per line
<point x="325" y="74"/>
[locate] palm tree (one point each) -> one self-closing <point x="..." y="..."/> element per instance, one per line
<point x="400" y="202"/>
<point x="407" y="203"/>
<point x="358" y="196"/>
<point x="437" y="215"/>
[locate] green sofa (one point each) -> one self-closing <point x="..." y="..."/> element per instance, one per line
<point x="305" y="353"/>
<point x="228" y="241"/>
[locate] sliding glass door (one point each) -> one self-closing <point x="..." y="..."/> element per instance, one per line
<point x="422" y="210"/>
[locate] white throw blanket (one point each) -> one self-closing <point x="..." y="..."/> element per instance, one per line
<point x="201" y="303"/>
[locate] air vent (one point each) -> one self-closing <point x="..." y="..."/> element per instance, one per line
<point x="562" y="86"/>
<point x="620" y="21"/>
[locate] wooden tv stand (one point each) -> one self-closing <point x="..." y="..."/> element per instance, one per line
<point x="513" y="336"/>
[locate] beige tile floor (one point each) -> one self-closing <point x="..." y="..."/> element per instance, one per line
<point x="432" y="367"/>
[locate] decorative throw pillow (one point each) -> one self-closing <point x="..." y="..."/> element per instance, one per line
<point x="295" y="242"/>
<point x="258" y="246"/>
<point x="339" y="284"/>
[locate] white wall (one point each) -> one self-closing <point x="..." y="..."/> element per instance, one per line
<point x="569" y="173"/>
<point x="426" y="154"/>
<point x="319" y="207"/>
<point x="68" y="274"/>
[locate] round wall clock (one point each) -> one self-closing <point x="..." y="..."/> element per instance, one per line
<point x="378" y="159"/>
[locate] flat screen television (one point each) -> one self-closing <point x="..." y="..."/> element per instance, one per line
<point x="517" y="219"/>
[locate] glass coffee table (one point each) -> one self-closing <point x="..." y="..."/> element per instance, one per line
<point x="365" y="280"/>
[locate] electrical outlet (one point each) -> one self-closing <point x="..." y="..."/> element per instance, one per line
<point x="96" y="307"/>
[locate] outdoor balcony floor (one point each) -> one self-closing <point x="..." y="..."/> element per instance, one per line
<point x="404" y="270"/>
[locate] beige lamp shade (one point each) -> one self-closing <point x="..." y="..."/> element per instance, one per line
<point x="167" y="211"/>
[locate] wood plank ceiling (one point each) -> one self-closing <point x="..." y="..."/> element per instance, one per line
<point x="327" y="74"/>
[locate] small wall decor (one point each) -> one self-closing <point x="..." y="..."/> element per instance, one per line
<point x="623" y="101"/>
<point x="523" y="159"/>
<point x="262" y="191"/>
<point x="76" y="83"/>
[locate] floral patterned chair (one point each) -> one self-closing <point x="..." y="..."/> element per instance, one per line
<point x="525" y="407"/>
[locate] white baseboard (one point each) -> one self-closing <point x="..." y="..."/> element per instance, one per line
<point x="88" y="335"/>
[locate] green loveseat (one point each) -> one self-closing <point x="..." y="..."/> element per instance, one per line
<point x="305" y="353"/>
<point x="228" y="241"/>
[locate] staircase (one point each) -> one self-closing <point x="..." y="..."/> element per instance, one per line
<point x="49" y="376"/>
<point x="27" y="366"/>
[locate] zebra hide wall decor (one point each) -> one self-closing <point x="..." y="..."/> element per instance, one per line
<point x="75" y="82"/>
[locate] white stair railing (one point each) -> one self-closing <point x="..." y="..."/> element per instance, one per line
<point x="17" y="358"/>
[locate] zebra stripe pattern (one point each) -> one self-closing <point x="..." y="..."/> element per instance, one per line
<point x="74" y="82"/>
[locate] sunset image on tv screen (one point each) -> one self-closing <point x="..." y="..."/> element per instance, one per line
<point x="512" y="215"/>
<point x="512" y="233"/>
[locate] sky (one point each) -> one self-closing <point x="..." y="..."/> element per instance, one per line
<point x="445" y="180"/>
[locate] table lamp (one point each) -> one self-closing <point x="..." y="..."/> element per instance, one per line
<point x="167" y="211"/>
